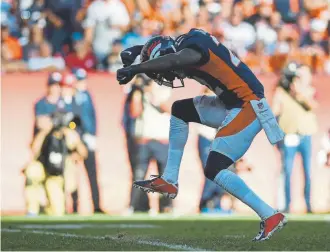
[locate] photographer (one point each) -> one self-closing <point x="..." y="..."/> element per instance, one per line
<point x="146" y="126"/>
<point x="56" y="147"/>
<point x="34" y="171"/>
<point x="294" y="104"/>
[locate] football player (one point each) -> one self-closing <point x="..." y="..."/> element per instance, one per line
<point x="239" y="111"/>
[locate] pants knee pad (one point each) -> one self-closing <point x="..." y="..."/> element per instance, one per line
<point x="215" y="163"/>
<point x="185" y="110"/>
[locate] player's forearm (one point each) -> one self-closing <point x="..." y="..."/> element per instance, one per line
<point x="168" y="62"/>
<point x="161" y="64"/>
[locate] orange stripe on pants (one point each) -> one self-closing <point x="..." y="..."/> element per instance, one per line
<point x="243" y="119"/>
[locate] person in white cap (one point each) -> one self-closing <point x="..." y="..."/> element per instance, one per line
<point x="315" y="40"/>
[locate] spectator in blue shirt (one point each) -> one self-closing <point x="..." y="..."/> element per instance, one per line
<point x="84" y="99"/>
<point x="85" y="104"/>
<point x="47" y="105"/>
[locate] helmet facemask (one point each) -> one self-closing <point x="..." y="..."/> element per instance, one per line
<point x="166" y="79"/>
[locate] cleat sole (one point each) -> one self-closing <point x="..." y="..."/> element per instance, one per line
<point x="148" y="190"/>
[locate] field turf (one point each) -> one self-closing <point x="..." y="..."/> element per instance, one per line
<point x="163" y="232"/>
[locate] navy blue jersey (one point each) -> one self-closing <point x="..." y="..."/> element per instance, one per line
<point x="220" y="70"/>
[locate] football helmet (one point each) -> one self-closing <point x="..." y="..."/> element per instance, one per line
<point x="156" y="47"/>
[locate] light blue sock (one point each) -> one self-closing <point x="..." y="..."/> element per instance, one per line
<point x="178" y="137"/>
<point x="234" y="185"/>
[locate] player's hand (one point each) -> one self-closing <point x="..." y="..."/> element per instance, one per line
<point x="129" y="55"/>
<point x="125" y="75"/>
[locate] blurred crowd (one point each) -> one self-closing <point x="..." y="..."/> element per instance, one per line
<point x="54" y="35"/>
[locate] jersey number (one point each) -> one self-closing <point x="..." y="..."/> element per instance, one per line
<point x="236" y="61"/>
<point x="215" y="40"/>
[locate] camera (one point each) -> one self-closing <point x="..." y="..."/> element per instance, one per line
<point x="288" y="74"/>
<point x="62" y="119"/>
<point x="54" y="148"/>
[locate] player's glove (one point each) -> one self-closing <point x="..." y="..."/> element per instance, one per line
<point x="129" y="55"/>
<point x="125" y="75"/>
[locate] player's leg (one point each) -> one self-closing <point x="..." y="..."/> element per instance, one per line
<point x="217" y="171"/>
<point x="202" y="109"/>
<point x="231" y="142"/>
<point x="207" y="110"/>
<point x="183" y="112"/>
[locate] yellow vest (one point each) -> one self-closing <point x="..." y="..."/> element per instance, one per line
<point x="294" y="119"/>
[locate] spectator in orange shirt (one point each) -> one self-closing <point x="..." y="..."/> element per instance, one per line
<point x="151" y="9"/>
<point x="10" y="48"/>
<point x="316" y="8"/>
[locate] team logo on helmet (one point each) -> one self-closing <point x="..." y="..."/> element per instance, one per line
<point x="151" y="48"/>
<point x="154" y="45"/>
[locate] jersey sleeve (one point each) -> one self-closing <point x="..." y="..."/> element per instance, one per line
<point x="195" y="40"/>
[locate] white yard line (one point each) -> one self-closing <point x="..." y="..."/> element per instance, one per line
<point x="10" y="230"/>
<point x="85" y="225"/>
<point x="70" y="235"/>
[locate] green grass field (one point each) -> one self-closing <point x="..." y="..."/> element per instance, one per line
<point x="164" y="232"/>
